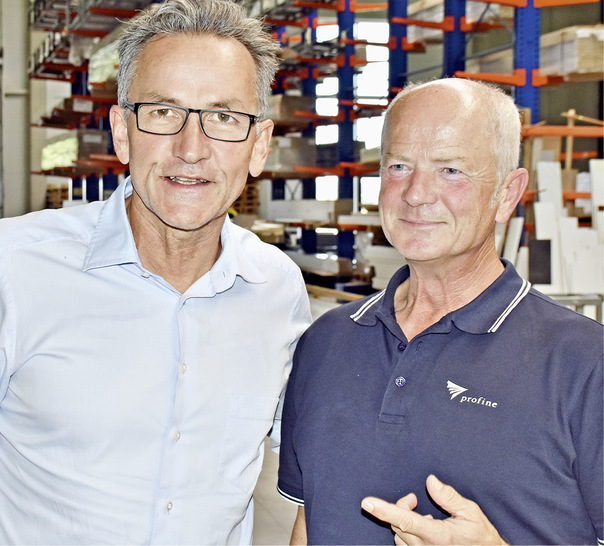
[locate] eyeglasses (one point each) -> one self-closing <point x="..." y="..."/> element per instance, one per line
<point x="159" y="118"/>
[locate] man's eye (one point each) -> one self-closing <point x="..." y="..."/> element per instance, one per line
<point x="163" y="112"/>
<point x="223" y="118"/>
<point x="450" y="170"/>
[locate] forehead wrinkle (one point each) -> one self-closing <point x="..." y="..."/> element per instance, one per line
<point x="217" y="104"/>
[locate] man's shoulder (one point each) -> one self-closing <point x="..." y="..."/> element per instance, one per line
<point x="264" y="254"/>
<point x="341" y="320"/>
<point x="44" y="226"/>
<point x="555" y="313"/>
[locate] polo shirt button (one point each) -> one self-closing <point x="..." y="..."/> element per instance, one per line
<point x="400" y="381"/>
<point x="177" y="435"/>
<point x="183" y="368"/>
<point x="169" y="506"/>
<point x="402" y="346"/>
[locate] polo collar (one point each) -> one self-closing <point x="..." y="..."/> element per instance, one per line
<point x="485" y="314"/>
<point x="112" y="244"/>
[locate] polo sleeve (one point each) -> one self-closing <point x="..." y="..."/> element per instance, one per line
<point x="587" y="426"/>
<point x="290" y="483"/>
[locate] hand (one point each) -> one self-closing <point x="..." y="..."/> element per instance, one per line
<point x="467" y="524"/>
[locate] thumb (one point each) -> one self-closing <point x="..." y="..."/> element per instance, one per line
<point x="448" y="498"/>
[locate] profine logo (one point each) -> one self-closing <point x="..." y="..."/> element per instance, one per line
<point x="455" y="390"/>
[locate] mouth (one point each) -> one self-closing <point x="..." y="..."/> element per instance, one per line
<point x="187" y="181"/>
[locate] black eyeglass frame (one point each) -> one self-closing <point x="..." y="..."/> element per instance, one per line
<point x="134" y="106"/>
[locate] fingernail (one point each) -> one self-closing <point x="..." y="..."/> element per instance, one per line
<point x="436" y="483"/>
<point x="367" y="506"/>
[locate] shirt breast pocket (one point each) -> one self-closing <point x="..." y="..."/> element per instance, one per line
<point x="249" y="420"/>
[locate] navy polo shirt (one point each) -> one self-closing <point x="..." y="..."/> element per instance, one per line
<point x="501" y="399"/>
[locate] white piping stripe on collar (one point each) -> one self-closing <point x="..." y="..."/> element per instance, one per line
<point x="367" y="305"/>
<point x="524" y="289"/>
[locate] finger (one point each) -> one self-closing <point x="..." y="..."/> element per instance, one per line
<point x="408" y="501"/>
<point x="394" y="514"/>
<point x="448" y="498"/>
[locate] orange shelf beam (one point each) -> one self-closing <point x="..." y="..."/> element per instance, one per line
<point x="113" y="12"/>
<point x="339" y="6"/>
<point x="564" y="130"/>
<point x="518" y="77"/>
<point x="553" y="3"/>
<point x="572" y="195"/>
<point x="303" y="23"/>
<point x="357" y="169"/>
<point x="447" y="24"/>
<point x="465" y="26"/>
<point x="513" y="3"/>
<point x="320" y="171"/>
<point x="368" y="7"/>
<point x="580" y="155"/>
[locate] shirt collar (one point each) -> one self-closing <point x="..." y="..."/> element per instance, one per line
<point x="113" y="244"/>
<point x="484" y="314"/>
<point x="112" y="241"/>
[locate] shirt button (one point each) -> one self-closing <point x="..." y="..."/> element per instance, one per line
<point x="183" y="368"/>
<point x="169" y="506"/>
<point x="145" y="275"/>
<point x="177" y="435"/>
<point x="402" y="346"/>
<point x="400" y="381"/>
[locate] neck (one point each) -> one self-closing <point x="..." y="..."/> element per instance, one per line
<point x="180" y="257"/>
<point x="433" y="291"/>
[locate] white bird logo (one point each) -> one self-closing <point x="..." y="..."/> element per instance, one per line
<point x="455" y="390"/>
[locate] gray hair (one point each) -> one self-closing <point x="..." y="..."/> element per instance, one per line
<point x="499" y="114"/>
<point x="221" y="18"/>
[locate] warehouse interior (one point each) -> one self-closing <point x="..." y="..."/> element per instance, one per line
<point x="342" y="61"/>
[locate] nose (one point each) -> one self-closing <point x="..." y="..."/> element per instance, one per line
<point x="421" y="189"/>
<point x="191" y="144"/>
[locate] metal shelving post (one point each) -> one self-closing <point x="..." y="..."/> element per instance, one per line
<point x="397" y="65"/>
<point x="527" y="31"/>
<point x="454" y="44"/>
<point x="346" y="126"/>
<point x="309" y="88"/>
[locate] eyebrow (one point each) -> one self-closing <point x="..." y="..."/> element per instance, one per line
<point x="217" y="105"/>
<point x="443" y="159"/>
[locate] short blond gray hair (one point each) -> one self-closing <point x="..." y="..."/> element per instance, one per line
<point x="221" y="18"/>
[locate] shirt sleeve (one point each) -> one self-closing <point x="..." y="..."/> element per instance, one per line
<point x="300" y="319"/>
<point x="7" y="337"/>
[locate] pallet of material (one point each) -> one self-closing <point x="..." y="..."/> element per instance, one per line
<point x="575" y="53"/>
<point x="249" y="200"/>
<point x="576" y="50"/>
<point x="434" y="11"/>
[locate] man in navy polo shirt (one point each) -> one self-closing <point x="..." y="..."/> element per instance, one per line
<point x="458" y="373"/>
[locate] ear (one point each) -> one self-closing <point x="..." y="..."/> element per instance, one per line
<point x="511" y="193"/>
<point x="119" y="130"/>
<point x="261" y="147"/>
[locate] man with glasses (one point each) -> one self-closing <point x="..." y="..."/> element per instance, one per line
<point x="145" y="342"/>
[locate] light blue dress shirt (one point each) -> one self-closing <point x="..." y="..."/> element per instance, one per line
<point x="131" y="413"/>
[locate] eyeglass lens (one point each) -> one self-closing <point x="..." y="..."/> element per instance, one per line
<point x="165" y="120"/>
